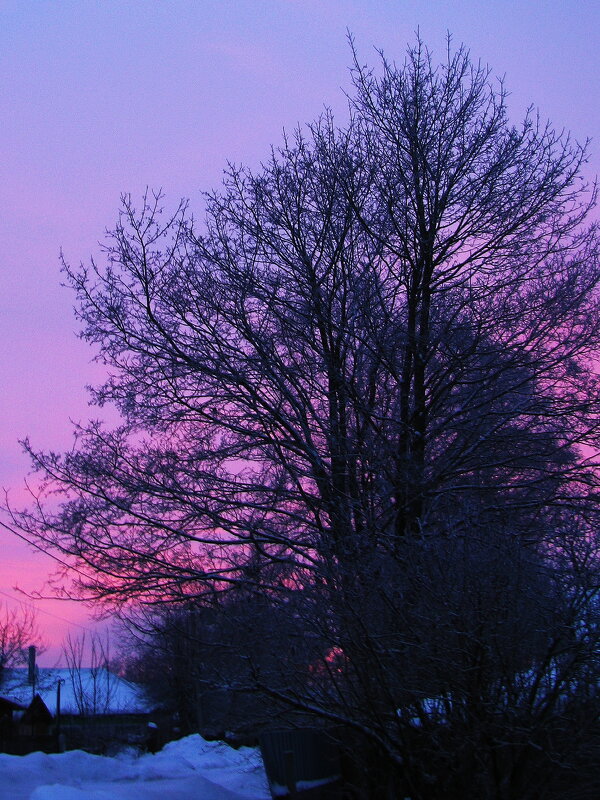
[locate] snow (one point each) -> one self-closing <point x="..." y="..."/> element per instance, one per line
<point x="109" y="692"/>
<point x="189" y="769"/>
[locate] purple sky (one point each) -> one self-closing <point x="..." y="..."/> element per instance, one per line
<point x="99" y="97"/>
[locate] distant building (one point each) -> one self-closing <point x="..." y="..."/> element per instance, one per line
<point x="36" y="720"/>
<point x="85" y="691"/>
<point x="99" y="711"/>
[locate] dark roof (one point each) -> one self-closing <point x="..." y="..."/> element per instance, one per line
<point x="7" y="705"/>
<point x="37" y="712"/>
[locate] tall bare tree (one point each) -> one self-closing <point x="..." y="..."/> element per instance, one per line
<point x="369" y="377"/>
<point x="93" y="686"/>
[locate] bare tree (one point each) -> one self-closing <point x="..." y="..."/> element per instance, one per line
<point x="204" y="661"/>
<point x="18" y="630"/>
<point x="93" y="685"/>
<point x="372" y="370"/>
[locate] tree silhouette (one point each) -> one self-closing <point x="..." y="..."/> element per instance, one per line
<point x="372" y="368"/>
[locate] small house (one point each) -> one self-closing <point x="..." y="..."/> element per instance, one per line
<point x="36" y="720"/>
<point x="89" y="709"/>
<point x="8" y="711"/>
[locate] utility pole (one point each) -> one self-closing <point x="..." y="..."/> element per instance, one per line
<point x="59" y="683"/>
<point x="32" y="670"/>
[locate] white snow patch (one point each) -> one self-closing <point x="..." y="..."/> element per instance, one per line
<point x="189" y="769"/>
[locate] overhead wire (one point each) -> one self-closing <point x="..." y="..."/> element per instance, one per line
<point x="55" y="558"/>
<point x="43" y="611"/>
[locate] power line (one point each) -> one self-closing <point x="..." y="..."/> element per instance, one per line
<point x="55" y="558"/>
<point x="43" y="611"/>
<point x="10" y="529"/>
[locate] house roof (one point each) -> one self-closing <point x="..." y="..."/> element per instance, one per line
<point x="85" y="691"/>
<point x="37" y="712"/>
<point x="7" y="705"/>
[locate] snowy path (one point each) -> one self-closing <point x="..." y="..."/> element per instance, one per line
<point x="190" y="769"/>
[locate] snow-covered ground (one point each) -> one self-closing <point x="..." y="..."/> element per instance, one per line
<point x="189" y="769"/>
